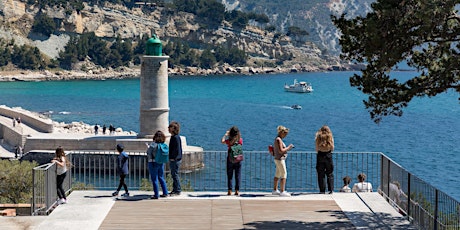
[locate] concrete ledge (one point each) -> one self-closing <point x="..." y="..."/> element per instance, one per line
<point x="41" y="125"/>
<point x="8" y="212"/>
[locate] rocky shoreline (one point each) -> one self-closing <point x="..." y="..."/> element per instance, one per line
<point x="126" y="73"/>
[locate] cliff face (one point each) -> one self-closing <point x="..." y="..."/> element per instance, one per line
<point x="313" y="16"/>
<point x="114" y="20"/>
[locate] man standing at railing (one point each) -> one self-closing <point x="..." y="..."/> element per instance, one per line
<point x="122" y="163"/>
<point x="175" y="156"/>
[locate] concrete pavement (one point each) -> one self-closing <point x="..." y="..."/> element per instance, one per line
<point x="99" y="210"/>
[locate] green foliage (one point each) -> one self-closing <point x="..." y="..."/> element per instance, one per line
<point x="16" y="181"/>
<point x="294" y="31"/>
<point x="81" y="186"/>
<point x="211" y="11"/>
<point x="44" y="25"/>
<point x="27" y="57"/>
<point x="424" y="34"/>
<point x="120" y="53"/>
<point x="237" y="18"/>
<point x="208" y="60"/>
<point x="232" y="56"/>
<point x="260" y="18"/>
<point x="270" y="28"/>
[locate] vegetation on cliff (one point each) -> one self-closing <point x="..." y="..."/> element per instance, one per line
<point x="198" y="33"/>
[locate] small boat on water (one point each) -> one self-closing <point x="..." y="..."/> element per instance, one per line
<point x="296" y="107"/>
<point x="299" y="87"/>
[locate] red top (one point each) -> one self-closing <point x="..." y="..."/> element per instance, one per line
<point x="228" y="143"/>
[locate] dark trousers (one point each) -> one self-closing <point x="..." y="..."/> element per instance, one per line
<point x="325" y="167"/>
<point x="122" y="183"/>
<point x="233" y="167"/>
<point x="174" y="166"/>
<point x="59" y="182"/>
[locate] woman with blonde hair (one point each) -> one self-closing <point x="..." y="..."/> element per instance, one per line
<point x="62" y="164"/>
<point x="280" y="153"/>
<point x="324" y="145"/>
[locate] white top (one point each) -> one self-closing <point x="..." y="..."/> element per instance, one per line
<point x="61" y="169"/>
<point x="362" y="187"/>
<point x="345" y="188"/>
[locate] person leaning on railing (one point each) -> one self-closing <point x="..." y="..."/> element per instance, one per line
<point x="324" y="145"/>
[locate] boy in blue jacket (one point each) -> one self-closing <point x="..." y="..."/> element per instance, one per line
<point x="122" y="163"/>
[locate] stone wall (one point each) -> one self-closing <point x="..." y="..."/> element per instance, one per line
<point x="12" y="136"/>
<point x="41" y="125"/>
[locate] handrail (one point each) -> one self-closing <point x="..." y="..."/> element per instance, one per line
<point x="421" y="203"/>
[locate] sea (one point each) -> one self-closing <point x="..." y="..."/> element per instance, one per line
<point x="425" y="140"/>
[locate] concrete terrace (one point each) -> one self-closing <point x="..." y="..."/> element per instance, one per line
<point x="215" y="210"/>
<point x="206" y="210"/>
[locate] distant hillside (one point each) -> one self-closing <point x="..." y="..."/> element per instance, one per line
<point x="207" y="31"/>
<point x="311" y="15"/>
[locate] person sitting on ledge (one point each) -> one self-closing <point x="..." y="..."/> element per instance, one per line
<point x="362" y="186"/>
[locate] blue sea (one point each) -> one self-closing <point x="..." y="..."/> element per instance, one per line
<point x="425" y="140"/>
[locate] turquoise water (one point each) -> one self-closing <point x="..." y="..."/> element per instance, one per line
<point x="425" y="140"/>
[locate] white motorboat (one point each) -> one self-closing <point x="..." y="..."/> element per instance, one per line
<point x="299" y="87"/>
<point x="296" y="107"/>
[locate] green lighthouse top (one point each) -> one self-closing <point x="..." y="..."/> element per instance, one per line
<point x="154" y="46"/>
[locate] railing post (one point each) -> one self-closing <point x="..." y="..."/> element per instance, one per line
<point x="33" y="192"/>
<point x="435" y="227"/>
<point x="408" y="195"/>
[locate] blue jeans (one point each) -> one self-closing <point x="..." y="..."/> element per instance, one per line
<point x="174" y="166"/>
<point x="157" y="174"/>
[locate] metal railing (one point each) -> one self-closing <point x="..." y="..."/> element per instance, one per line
<point x="44" y="190"/>
<point x="99" y="170"/>
<point x="422" y="204"/>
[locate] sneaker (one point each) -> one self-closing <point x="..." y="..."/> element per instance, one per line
<point x="163" y="195"/>
<point x="330" y="192"/>
<point x="174" y="194"/>
<point x="286" y="194"/>
<point x="115" y="193"/>
<point x="62" y="201"/>
<point x="126" y="194"/>
<point x="276" y="192"/>
<point x="154" y="197"/>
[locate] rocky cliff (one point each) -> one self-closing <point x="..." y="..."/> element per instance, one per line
<point x="109" y="21"/>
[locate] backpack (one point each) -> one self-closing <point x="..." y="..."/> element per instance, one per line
<point x="162" y="154"/>
<point x="236" y="153"/>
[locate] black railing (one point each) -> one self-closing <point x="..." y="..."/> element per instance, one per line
<point x="422" y="204"/>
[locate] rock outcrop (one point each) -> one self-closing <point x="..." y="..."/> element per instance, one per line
<point x="264" y="48"/>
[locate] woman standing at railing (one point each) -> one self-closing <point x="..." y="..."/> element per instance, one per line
<point x="157" y="156"/>
<point x="280" y="153"/>
<point x="324" y="145"/>
<point x="231" y="137"/>
<point x="62" y="163"/>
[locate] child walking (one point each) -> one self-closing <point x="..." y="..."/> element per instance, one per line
<point x="122" y="163"/>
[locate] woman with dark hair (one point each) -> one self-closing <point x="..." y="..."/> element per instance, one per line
<point x="156" y="164"/>
<point x="231" y="137"/>
<point x="62" y="164"/>
<point x="175" y="156"/>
